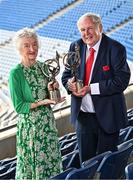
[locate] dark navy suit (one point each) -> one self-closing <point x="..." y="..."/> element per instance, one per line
<point x="112" y="73"/>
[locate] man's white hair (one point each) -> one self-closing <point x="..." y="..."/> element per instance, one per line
<point x="95" y="18"/>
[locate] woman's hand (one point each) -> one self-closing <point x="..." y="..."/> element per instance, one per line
<point x="53" y="85"/>
<point x="46" y="102"/>
<point x="62" y="99"/>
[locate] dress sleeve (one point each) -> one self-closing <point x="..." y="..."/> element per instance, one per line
<point x="16" y="92"/>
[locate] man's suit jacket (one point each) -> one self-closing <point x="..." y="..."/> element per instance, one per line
<point x="112" y="73"/>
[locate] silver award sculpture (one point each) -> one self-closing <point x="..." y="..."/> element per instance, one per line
<point x="71" y="61"/>
<point x="53" y="69"/>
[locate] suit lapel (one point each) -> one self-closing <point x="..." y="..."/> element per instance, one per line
<point x="99" y="58"/>
<point x="83" y="59"/>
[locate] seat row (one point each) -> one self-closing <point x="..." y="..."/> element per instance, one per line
<point x="103" y="166"/>
<point x="68" y="142"/>
<point x="70" y="153"/>
<point x="8" y="168"/>
<point x="108" y="165"/>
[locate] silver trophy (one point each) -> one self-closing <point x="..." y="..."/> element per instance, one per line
<point x="53" y="69"/>
<point x="71" y="60"/>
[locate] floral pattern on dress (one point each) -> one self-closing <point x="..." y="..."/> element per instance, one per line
<point x="38" y="153"/>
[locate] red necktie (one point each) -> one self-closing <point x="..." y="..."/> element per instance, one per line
<point x="88" y="66"/>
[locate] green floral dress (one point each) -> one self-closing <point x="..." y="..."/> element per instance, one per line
<point x="38" y="151"/>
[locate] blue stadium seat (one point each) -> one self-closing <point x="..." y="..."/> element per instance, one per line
<point x="9" y="174"/>
<point x="113" y="165"/>
<point x="126" y="134"/>
<point x="7" y="160"/>
<point x="71" y="160"/>
<point x="71" y="135"/>
<point x="68" y="141"/>
<point x="62" y="175"/>
<point x="98" y="158"/>
<point x="6" y="167"/>
<point x="130" y="122"/>
<point x="62" y="138"/>
<point x="129" y="171"/>
<point x="124" y="145"/>
<point x="130" y="113"/>
<point x="87" y="172"/>
<point x="69" y="148"/>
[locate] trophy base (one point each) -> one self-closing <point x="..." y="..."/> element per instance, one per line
<point x="55" y="95"/>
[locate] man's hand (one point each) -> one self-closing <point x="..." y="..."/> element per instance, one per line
<point x="82" y="92"/>
<point x="72" y="85"/>
<point x="73" y="88"/>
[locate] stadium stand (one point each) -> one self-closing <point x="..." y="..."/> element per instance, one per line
<point x="109" y="12"/>
<point x="125" y="36"/>
<point x="17" y="14"/>
<point x="55" y="21"/>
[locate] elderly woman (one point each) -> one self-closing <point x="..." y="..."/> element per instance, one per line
<point x="38" y="154"/>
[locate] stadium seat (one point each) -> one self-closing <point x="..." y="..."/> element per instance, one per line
<point x="62" y="138"/>
<point x="125" y="144"/>
<point x="69" y="148"/>
<point x="125" y="134"/>
<point x="9" y="174"/>
<point x="68" y="141"/>
<point x="67" y="136"/>
<point x="129" y="171"/>
<point x="87" y="172"/>
<point x="71" y="135"/>
<point x="62" y="175"/>
<point x="130" y="113"/>
<point x="7" y="160"/>
<point x="6" y="167"/>
<point x="130" y="122"/>
<point x="98" y="158"/>
<point x="113" y="165"/>
<point x="71" y="160"/>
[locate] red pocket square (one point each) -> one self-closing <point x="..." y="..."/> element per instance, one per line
<point x="106" y="68"/>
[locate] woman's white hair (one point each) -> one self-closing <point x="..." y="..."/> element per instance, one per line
<point x="25" y="32"/>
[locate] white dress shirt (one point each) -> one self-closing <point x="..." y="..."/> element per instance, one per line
<point x="87" y="104"/>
